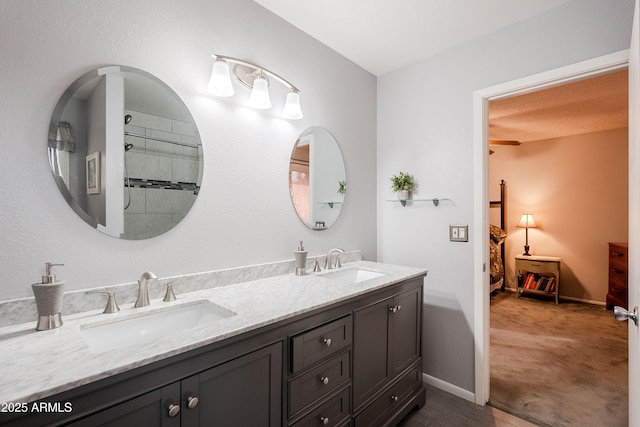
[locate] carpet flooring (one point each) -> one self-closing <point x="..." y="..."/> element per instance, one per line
<point x="558" y="365"/>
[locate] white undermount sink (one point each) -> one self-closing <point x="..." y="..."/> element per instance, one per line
<point x="351" y="275"/>
<point x="151" y="325"/>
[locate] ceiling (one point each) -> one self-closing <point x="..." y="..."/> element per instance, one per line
<point x="590" y="105"/>
<point x="383" y="35"/>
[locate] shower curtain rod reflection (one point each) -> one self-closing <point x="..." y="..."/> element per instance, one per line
<point x="162" y="140"/>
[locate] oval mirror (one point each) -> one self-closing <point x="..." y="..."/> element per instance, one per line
<point x="125" y="152"/>
<point x="317" y="179"/>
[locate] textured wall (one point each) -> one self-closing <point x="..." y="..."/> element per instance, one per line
<point x="243" y="214"/>
<point x="576" y="187"/>
<point x="425" y="127"/>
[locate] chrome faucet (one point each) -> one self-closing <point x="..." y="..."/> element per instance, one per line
<point x="327" y="261"/>
<point x="143" y="289"/>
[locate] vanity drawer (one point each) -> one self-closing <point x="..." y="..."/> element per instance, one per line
<point x="334" y="412"/>
<point x="318" y="382"/>
<point x="319" y="343"/>
<point x="378" y="412"/>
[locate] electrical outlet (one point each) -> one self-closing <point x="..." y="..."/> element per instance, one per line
<point x="459" y="233"/>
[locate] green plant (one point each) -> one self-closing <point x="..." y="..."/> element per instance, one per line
<point x="342" y="187"/>
<point x="402" y="181"/>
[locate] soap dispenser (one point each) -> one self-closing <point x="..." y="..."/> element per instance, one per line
<point x="301" y="260"/>
<point x="49" y="293"/>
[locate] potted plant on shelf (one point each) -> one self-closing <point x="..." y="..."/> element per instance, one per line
<point x="402" y="184"/>
<point x="342" y="187"/>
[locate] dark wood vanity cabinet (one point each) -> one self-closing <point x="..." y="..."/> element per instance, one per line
<point x="221" y="396"/>
<point x="387" y="363"/>
<point x="354" y="363"/>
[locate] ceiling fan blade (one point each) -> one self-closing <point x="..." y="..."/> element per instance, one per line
<point x="503" y="142"/>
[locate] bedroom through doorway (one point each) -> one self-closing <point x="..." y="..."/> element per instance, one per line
<point x="562" y="153"/>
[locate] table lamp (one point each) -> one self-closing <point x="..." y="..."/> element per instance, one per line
<point x="526" y="222"/>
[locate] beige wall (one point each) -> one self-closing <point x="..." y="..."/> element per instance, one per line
<point x="576" y="188"/>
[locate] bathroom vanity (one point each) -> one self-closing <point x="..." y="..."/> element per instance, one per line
<point x="300" y="351"/>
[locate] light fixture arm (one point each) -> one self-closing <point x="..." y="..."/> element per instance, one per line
<point x="258" y="68"/>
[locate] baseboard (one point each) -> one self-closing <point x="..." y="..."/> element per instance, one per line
<point x="562" y="297"/>
<point x="449" y="388"/>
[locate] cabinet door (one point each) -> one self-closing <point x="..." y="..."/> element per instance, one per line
<point x="149" y="410"/>
<point x="405" y="337"/>
<point x="246" y="391"/>
<point x="371" y="362"/>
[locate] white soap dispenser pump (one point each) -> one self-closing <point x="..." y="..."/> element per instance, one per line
<point x="48" y="294"/>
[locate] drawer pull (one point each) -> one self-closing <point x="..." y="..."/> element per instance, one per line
<point x="324" y="380"/>
<point x="536" y="265"/>
<point x="394" y="398"/>
<point x="174" y="410"/>
<point x="327" y="342"/>
<point x="617" y="270"/>
<point x="395" y="308"/>
<point x="617" y="253"/>
<point x="324" y="420"/>
<point x="192" y="402"/>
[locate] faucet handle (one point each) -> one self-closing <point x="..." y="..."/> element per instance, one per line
<point x="169" y="295"/>
<point x="316" y="266"/>
<point x="112" y="304"/>
<point x="338" y="263"/>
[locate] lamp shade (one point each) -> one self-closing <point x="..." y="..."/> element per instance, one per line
<point x="527" y="221"/>
<point x="292" y="109"/>
<point x="260" y="94"/>
<point x="220" y="82"/>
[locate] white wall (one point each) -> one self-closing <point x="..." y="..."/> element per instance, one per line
<point x="576" y="187"/>
<point x="425" y="127"/>
<point x="243" y="214"/>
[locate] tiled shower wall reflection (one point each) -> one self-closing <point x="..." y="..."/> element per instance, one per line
<point x="153" y="211"/>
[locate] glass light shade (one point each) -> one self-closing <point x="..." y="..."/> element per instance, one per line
<point x="260" y="94"/>
<point x="292" y="109"/>
<point x="220" y="82"/>
<point x="527" y="221"/>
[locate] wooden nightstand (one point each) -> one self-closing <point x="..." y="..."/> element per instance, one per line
<point x="617" y="292"/>
<point x="538" y="274"/>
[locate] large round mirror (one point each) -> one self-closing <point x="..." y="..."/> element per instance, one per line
<point x="317" y="179"/>
<point x="125" y="152"/>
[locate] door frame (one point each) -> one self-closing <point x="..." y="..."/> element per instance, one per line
<point x="481" y="98"/>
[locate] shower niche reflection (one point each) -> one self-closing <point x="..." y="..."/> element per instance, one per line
<point x="147" y="145"/>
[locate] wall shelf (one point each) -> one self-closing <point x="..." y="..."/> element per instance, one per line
<point x="330" y="203"/>
<point x="435" y="201"/>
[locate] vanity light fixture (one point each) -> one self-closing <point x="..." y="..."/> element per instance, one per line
<point x="255" y="78"/>
<point x="220" y="82"/>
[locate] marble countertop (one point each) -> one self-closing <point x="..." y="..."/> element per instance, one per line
<point x="38" y="364"/>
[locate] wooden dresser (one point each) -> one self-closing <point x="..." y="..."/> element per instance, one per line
<point x="617" y="294"/>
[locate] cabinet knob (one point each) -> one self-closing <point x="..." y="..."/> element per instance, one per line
<point x="327" y="342"/>
<point x="192" y="402"/>
<point x="324" y="420"/>
<point x="174" y="410"/>
<point x="324" y="380"/>
<point x="394" y="398"/>
<point x="395" y="308"/>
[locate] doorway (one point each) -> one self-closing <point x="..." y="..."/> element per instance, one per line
<point x="548" y="79"/>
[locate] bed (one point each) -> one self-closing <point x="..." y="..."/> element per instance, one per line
<point x="497" y="235"/>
